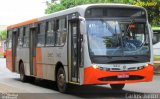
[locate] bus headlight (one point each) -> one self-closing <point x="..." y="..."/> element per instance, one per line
<point x="95" y="66"/>
<point x="146" y="65"/>
<point x="141" y="67"/>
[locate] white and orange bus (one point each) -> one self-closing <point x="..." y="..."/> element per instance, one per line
<point x="86" y="44"/>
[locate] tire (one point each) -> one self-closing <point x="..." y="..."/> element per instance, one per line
<point x="23" y="77"/>
<point x="117" y="86"/>
<point x="61" y="80"/>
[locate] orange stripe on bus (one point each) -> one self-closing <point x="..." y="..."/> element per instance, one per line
<point x="9" y="59"/>
<point x="39" y="65"/>
<point x="23" y="23"/>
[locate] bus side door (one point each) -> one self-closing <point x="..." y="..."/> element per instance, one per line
<point x="14" y="48"/>
<point x="74" y="51"/>
<point x="32" y="51"/>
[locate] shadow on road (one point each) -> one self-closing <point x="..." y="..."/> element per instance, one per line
<point x="89" y="91"/>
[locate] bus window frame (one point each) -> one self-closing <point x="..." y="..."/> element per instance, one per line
<point x="58" y="29"/>
<point x="41" y="31"/>
<point x="20" y="37"/>
<point x="25" y="35"/>
<point x="51" y="31"/>
<point x="9" y="38"/>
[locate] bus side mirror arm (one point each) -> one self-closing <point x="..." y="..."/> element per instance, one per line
<point x="82" y="26"/>
<point x="81" y="37"/>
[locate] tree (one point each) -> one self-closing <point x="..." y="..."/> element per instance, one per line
<point x="52" y="7"/>
<point x="153" y="9"/>
<point x="3" y="34"/>
<point x="152" y="6"/>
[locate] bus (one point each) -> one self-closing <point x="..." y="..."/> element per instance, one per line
<point x="90" y="44"/>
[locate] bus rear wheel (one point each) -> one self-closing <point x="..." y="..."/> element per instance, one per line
<point x="117" y="86"/>
<point x="61" y="80"/>
<point x="23" y="77"/>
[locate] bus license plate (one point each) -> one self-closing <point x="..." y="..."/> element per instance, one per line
<point x="123" y="76"/>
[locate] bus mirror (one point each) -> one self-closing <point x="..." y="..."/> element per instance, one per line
<point x="81" y="18"/>
<point x="82" y="25"/>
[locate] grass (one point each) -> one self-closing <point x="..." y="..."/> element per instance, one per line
<point x="1" y="54"/>
<point x="157" y="65"/>
<point x="156" y="58"/>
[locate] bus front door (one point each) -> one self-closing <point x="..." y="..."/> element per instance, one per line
<point x="14" y="48"/>
<point x="74" y="51"/>
<point x="32" y="51"/>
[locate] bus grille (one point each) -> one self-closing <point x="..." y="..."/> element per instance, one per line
<point x="115" y="78"/>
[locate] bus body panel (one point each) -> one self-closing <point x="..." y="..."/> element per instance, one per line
<point x="23" y="23"/>
<point x="93" y="76"/>
<point x="23" y="55"/>
<point x="151" y="43"/>
<point x="39" y="66"/>
<point x="87" y="61"/>
<point x="9" y="59"/>
<point x="46" y="60"/>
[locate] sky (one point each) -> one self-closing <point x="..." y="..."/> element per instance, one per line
<point x="15" y="11"/>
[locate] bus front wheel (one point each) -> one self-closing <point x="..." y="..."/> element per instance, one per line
<point x="117" y="86"/>
<point x="61" y="80"/>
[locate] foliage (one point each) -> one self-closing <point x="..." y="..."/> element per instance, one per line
<point x="157" y="58"/>
<point x="152" y="6"/>
<point x="54" y="8"/>
<point x="3" y="34"/>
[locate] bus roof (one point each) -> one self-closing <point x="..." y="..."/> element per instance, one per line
<point x="80" y="9"/>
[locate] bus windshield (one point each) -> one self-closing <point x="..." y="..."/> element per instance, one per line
<point x="117" y="38"/>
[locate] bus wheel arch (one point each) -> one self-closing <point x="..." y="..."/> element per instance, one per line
<point x="23" y="77"/>
<point x="60" y="77"/>
<point x="57" y="66"/>
<point x="19" y="64"/>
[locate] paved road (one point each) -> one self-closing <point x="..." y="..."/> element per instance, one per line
<point x="40" y="89"/>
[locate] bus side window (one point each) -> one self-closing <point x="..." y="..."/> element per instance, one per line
<point x="50" y="38"/>
<point x="9" y="44"/>
<point x="41" y="34"/>
<point x="20" y="37"/>
<point x="61" y="32"/>
<point x="7" y="40"/>
<point x="24" y="32"/>
<point x="26" y="37"/>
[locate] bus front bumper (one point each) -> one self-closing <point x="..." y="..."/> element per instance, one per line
<point x="97" y="76"/>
